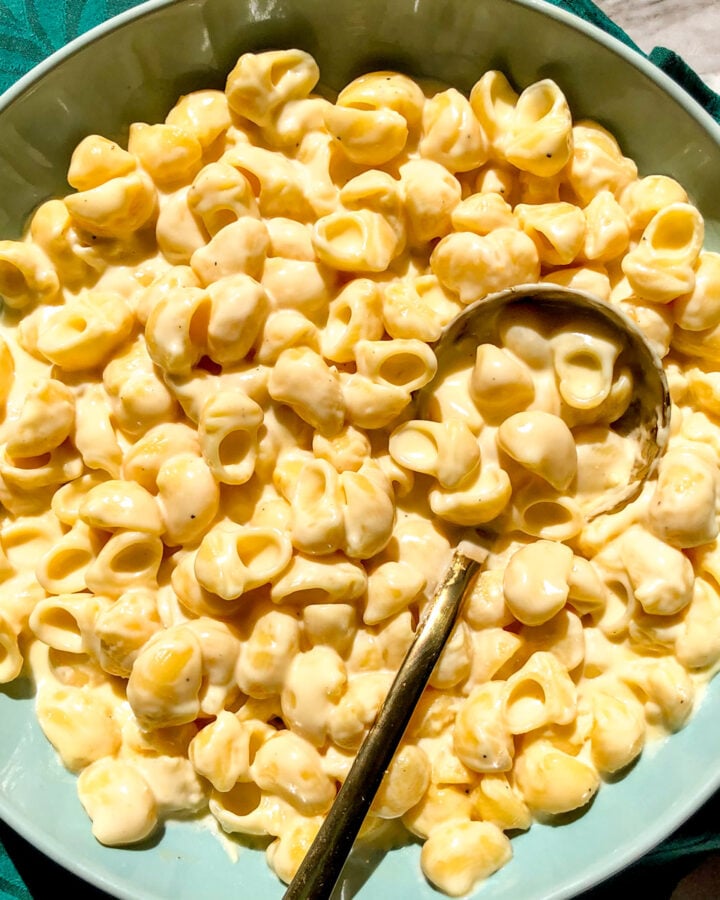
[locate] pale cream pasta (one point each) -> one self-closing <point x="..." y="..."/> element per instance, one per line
<point x="225" y="512"/>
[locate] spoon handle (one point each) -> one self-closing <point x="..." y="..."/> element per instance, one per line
<point x="324" y="861"/>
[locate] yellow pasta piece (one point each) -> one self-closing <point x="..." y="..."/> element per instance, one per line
<point x="458" y="855"/>
<point x="202" y="113"/>
<point x="84" y="333"/>
<point x="261" y="82"/>
<point x="166" y="152"/>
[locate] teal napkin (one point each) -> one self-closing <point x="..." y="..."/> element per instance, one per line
<point x="12" y="886"/>
<point x="30" y="30"/>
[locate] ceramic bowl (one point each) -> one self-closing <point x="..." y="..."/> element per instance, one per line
<point x="133" y="68"/>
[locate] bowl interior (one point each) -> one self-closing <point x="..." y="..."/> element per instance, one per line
<point x="133" y="71"/>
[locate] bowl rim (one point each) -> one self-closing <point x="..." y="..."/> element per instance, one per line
<point x="630" y="54"/>
<point x="656" y="831"/>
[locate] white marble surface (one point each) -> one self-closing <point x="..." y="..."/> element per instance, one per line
<point x="690" y="27"/>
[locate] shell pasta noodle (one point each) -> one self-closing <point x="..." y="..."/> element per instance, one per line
<point x="223" y="513"/>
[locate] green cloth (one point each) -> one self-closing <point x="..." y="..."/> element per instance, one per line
<point x="30" y="30"/>
<point x="680" y="71"/>
<point x="12" y="886"/>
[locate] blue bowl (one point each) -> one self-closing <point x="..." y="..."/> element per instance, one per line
<point x="132" y="69"/>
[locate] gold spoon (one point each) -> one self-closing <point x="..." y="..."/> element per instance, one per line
<point x="646" y="422"/>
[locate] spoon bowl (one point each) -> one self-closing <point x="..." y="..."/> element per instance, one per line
<point x="645" y="422"/>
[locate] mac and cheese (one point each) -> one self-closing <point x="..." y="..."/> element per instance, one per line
<point x="223" y="515"/>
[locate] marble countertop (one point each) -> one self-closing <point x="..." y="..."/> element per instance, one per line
<point x="689" y="27"/>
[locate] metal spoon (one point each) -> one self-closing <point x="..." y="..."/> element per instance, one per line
<point x="646" y="421"/>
